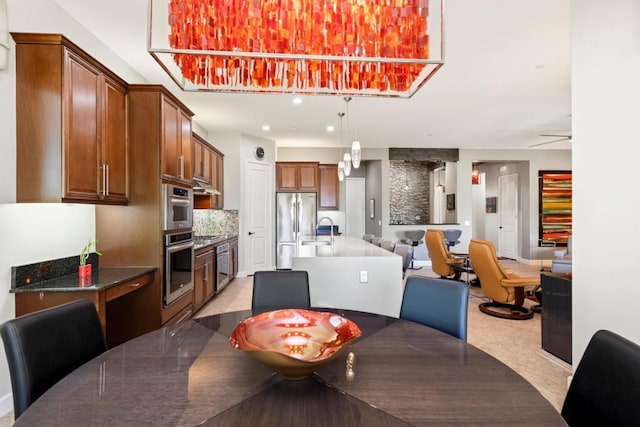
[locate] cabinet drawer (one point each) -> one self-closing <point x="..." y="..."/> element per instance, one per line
<point x="202" y="256"/>
<point x="129" y="286"/>
<point x="182" y="315"/>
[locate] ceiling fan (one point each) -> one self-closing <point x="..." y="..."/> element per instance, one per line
<point x="557" y="136"/>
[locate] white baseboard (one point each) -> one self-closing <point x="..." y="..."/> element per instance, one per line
<point x="6" y="404"/>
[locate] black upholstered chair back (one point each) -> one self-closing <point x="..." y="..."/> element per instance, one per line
<point x="44" y="346"/>
<point x="605" y="389"/>
<point x="273" y="290"/>
<point x="438" y="303"/>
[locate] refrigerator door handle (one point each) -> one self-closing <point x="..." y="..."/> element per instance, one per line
<point x="287" y="243"/>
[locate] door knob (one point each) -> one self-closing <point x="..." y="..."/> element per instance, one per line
<point x="251" y="232"/>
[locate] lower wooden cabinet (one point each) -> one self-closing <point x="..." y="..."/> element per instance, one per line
<point x="204" y="277"/>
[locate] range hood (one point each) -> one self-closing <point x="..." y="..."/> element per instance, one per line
<point x="201" y="187"/>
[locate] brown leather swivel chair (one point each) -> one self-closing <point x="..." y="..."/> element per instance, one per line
<point x="442" y="260"/>
<point x="505" y="289"/>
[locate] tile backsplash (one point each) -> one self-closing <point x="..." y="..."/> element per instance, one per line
<point x="212" y="222"/>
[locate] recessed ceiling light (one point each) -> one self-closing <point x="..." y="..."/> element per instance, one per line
<point x="330" y="128"/>
<point x="297" y="100"/>
<point x="266" y="128"/>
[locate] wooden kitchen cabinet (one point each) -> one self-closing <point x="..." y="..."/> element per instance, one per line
<point x="176" y="143"/>
<point x="142" y="223"/>
<point x="329" y="194"/>
<point x="203" y="277"/>
<point x="217" y="178"/>
<point x="208" y="166"/>
<point x="297" y="176"/>
<point x="202" y="155"/>
<point x="71" y="124"/>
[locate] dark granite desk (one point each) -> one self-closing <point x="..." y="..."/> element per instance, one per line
<point x="188" y="374"/>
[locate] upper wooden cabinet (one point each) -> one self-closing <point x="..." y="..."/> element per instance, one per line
<point x="71" y="124"/>
<point x="176" y="143"/>
<point x="329" y="193"/>
<point x="208" y="166"/>
<point x="164" y="124"/>
<point x="297" y="176"/>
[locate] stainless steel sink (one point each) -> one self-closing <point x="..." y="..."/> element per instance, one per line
<point x="316" y="243"/>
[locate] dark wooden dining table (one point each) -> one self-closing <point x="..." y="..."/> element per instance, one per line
<point x="188" y="374"/>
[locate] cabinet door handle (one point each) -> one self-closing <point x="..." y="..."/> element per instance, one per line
<point x="107" y="173"/>
<point x="181" y="166"/>
<point x="206" y="272"/>
<point x="104" y="179"/>
<point x="135" y="285"/>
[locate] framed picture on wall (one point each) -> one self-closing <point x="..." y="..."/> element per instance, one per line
<point x="555" y="207"/>
<point x="491" y="205"/>
<point x="451" y="202"/>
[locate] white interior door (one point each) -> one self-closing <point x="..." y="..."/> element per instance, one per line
<point x="355" y="207"/>
<point x="259" y="217"/>
<point x="508" y="214"/>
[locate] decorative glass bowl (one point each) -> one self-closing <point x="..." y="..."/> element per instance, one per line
<point x="294" y="342"/>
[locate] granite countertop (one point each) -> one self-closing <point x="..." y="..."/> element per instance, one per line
<point x="103" y="278"/>
<point x="204" y="241"/>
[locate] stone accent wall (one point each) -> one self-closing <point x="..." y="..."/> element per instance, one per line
<point x="409" y="192"/>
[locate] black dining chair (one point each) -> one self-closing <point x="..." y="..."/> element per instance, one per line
<point x="44" y="346"/>
<point x="605" y="389"/>
<point x="439" y="303"/>
<point x="278" y="289"/>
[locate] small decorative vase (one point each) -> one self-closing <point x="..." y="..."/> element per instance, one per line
<point x="84" y="270"/>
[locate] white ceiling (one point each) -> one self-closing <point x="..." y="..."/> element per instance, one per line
<point x="506" y="79"/>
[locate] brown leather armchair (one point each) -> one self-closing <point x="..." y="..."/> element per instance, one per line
<point x="505" y="289"/>
<point x="442" y="260"/>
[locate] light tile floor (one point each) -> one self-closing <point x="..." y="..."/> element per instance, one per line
<point x="515" y="343"/>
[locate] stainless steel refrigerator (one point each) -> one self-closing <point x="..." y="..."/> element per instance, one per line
<point x="296" y="216"/>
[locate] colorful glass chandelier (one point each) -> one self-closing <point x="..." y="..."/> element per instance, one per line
<point x="379" y="47"/>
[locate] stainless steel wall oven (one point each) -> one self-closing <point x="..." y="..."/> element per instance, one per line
<point x="177" y="203"/>
<point x="178" y="269"/>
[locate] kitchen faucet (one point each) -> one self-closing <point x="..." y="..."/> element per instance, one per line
<point x="330" y="222"/>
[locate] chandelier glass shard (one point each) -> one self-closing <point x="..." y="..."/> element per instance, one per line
<point x="379" y="47"/>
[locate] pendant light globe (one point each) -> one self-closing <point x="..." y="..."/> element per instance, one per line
<point x="356" y="154"/>
<point x="347" y="164"/>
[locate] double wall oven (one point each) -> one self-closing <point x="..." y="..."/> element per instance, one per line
<point x="179" y="244"/>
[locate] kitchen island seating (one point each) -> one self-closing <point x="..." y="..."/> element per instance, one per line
<point x="438" y="303"/>
<point x="45" y="346"/>
<point x="605" y="389"/>
<point x="273" y="290"/>
<point x="504" y="289"/>
<point x="406" y="252"/>
<point x="442" y="260"/>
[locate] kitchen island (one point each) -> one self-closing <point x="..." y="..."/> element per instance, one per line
<point x="350" y="274"/>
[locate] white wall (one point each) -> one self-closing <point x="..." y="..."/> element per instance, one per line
<point x="37" y="232"/>
<point x="606" y="151"/>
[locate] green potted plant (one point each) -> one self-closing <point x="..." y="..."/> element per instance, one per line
<point x="85" y="269"/>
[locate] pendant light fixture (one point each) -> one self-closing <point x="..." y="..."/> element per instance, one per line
<point x="341" y="162"/>
<point x="356" y="152"/>
<point x="319" y="47"/>
<point x="347" y="154"/>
